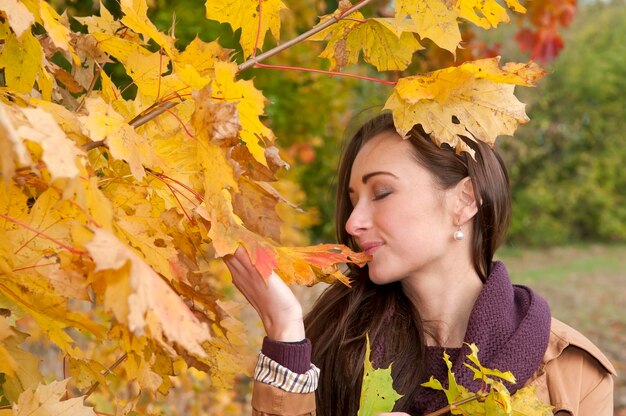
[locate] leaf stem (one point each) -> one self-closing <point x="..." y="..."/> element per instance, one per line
<point x="42" y="234"/>
<point x="254" y="60"/>
<point x="321" y="71"/>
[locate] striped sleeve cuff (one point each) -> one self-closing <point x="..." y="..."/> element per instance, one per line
<point x="270" y="372"/>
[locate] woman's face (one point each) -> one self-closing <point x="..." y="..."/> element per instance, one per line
<point x="400" y="217"/>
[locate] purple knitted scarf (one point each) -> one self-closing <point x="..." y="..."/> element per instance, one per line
<point x="509" y="324"/>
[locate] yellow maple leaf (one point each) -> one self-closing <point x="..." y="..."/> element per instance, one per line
<point x="250" y="105"/>
<point x="245" y="14"/>
<point x="117" y="47"/>
<point x="153" y="307"/>
<point x="202" y="56"/>
<point x="136" y="18"/>
<point x="59" y="152"/>
<point x="437" y="20"/>
<point x="47" y="399"/>
<point x="487" y="13"/>
<point x="104" y="123"/>
<point x="146" y="72"/>
<point x="195" y="66"/>
<point x="385" y="43"/>
<point x="474" y="100"/>
<point x="21" y="59"/>
<point x="20" y="368"/>
<point x="526" y="403"/>
<point x="20" y="18"/>
<point x="137" y="219"/>
<point x="104" y="23"/>
<point x="57" y="31"/>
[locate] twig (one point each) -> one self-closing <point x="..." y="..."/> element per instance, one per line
<point x="96" y="75"/>
<point x="256" y="59"/>
<point x="321" y="71"/>
<point x="92" y="145"/>
<point x="106" y="373"/>
<point x="160" y="109"/>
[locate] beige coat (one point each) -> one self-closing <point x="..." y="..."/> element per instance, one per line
<point x="575" y="377"/>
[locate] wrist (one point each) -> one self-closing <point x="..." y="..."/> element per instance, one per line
<point x="291" y="332"/>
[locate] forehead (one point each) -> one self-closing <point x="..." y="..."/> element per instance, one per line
<point x="385" y="151"/>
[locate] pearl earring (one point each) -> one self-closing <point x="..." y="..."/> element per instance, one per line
<point x="458" y="234"/>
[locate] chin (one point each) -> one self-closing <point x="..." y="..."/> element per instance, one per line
<point x="379" y="278"/>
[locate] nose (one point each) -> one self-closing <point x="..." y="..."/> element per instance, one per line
<point x="359" y="220"/>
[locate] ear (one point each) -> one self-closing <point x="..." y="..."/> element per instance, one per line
<point x="466" y="204"/>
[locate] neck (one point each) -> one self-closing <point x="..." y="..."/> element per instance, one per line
<point x="444" y="301"/>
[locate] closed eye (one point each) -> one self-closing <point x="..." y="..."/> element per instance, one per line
<point x="381" y="195"/>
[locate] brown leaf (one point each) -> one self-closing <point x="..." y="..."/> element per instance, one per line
<point x="215" y="121"/>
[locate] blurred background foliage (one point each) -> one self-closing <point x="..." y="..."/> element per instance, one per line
<point x="565" y="165"/>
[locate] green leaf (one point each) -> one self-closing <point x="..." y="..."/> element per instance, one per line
<point x="377" y="393"/>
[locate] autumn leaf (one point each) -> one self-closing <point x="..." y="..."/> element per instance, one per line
<point x="215" y="121"/>
<point x="137" y="217"/>
<point x="20" y="367"/>
<point x="47" y="399"/>
<point x="20" y="18"/>
<point x="245" y="14"/>
<point x="57" y="30"/>
<point x="494" y="398"/>
<point x="525" y="403"/>
<point x="474" y="100"/>
<point x="21" y="59"/>
<point x="104" y="123"/>
<point x="153" y="307"/>
<point x="14" y="151"/>
<point x="60" y="154"/>
<point x="437" y="20"/>
<point x="309" y="265"/>
<point x="195" y="66"/>
<point x="136" y="18"/>
<point x="377" y="393"/>
<point x="250" y="105"/>
<point x="385" y="43"/>
<point x="105" y="23"/>
<point x="483" y="373"/>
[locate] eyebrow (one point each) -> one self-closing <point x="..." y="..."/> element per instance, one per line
<point x="367" y="176"/>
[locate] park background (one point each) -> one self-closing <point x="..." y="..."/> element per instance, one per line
<point x="568" y="233"/>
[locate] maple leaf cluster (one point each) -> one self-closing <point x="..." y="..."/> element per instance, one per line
<point x="111" y="221"/>
<point x="379" y="396"/>
<point x="115" y="205"/>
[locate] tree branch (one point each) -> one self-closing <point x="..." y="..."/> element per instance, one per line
<point x="165" y="106"/>
<point x="256" y="59"/>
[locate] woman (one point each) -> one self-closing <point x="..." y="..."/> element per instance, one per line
<point x="431" y="220"/>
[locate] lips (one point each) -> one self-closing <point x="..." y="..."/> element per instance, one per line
<point x="370" y="247"/>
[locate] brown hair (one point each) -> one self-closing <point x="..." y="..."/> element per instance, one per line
<point x="342" y="316"/>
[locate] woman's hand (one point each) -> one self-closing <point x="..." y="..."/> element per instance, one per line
<point x="277" y="306"/>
